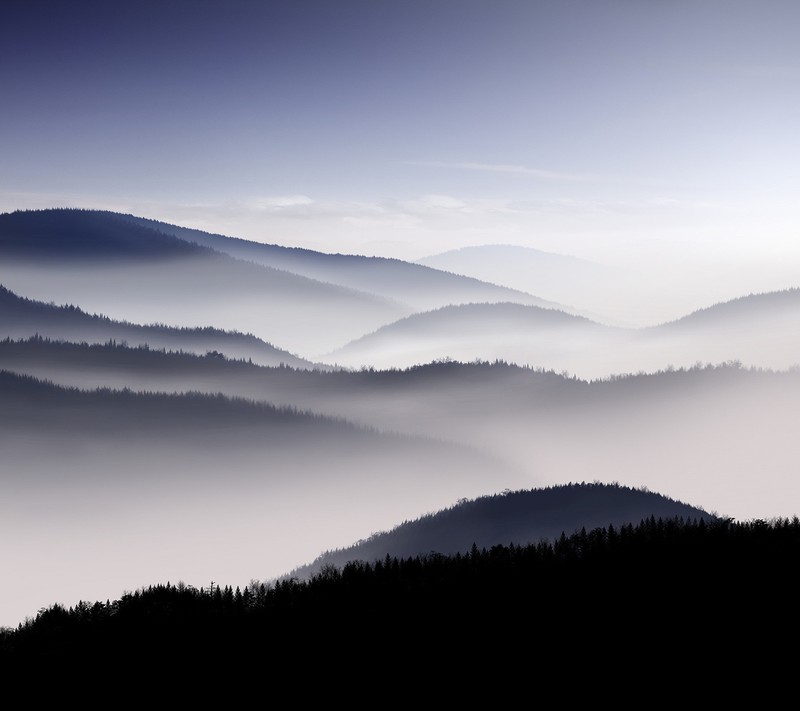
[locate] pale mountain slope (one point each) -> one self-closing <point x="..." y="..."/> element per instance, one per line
<point x="419" y="286"/>
<point x="600" y="291"/>
<point x="759" y="330"/>
<point x="526" y="335"/>
<point x="106" y="264"/>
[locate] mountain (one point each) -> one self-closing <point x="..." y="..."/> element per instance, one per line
<point x="501" y="611"/>
<point x="103" y="489"/>
<point x="750" y="311"/>
<point x="59" y="235"/>
<point x="22" y="318"/>
<point x="759" y="330"/>
<point x="513" y="517"/>
<point x="719" y="436"/>
<point x="193" y="466"/>
<point x="134" y="273"/>
<point x="420" y="287"/>
<point x="600" y="291"/>
<point x="526" y="335"/>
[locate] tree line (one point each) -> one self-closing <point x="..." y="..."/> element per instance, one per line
<point x="666" y="579"/>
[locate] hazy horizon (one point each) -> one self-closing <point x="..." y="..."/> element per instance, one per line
<point x="641" y="135"/>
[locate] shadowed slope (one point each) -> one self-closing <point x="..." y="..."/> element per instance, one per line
<point x="514" y="517"/>
<point x="22" y="318"/>
<point x="417" y="285"/>
<point x="86" y="236"/>
<point x="130" y="272"/>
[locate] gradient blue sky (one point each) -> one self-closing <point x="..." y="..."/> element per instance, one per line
<point x="613" y="129"/>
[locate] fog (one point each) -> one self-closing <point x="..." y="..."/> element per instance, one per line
<point x="758" y="330"/>
<point x="415" y="285"/>
<point x="716" y="437"/>
<point x="292" y="313"/>
<point x="107" y="492"/>
<point x="24" y="318"/>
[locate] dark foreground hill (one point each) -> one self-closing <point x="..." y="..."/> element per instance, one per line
<point x="514" y="517"/>
<point x="612" y="607"/>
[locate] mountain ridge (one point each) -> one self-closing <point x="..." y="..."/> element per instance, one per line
<point x="384" y="276"/>
<point x="21" y="317"/>
<point x="180" y="284"/>
<point x="518" y="518"/>
<point x="760" y="330"/>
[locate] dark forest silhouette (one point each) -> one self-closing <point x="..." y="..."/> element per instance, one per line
<point x="661" y="587"/>
<point x="519" y="517"/>
<point x="666" y="588"/>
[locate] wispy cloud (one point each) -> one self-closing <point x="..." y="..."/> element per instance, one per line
<point x="504" y="168"/>
<point x="279" y="202"/>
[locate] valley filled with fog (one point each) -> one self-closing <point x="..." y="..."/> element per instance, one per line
<point x="181" y="405"/>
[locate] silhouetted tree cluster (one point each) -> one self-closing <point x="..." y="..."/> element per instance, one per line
<point x="663" y="587"/>
<point x="523" y="516"/>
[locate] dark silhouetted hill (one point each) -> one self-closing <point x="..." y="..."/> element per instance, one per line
<point x="514" y="517"/>
<point x="685" y="586"/>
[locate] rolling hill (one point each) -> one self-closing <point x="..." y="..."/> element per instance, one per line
<point x="758" y="330"/>
<point x="600" y="291"/>
<point x="22" y="318"/>
<point x="134" y="273"/>
<point x="719" y="436"/>
<point x="194" y="465"/>
<point x="418" y="286"/>
<point x="526" y="335"/>
<point x="513" y="517"/>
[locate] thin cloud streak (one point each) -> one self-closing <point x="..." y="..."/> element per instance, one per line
<point x="504" y="168"/>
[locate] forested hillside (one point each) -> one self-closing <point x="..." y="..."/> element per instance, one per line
<point x="661" y="583"/>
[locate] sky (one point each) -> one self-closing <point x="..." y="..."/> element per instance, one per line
<point x="626" y="131"/>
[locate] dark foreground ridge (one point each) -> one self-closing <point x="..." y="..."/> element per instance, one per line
<point x="664" y="587"/>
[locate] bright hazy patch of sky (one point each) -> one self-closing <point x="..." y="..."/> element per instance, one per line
<point x="619" y="130"/>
